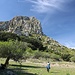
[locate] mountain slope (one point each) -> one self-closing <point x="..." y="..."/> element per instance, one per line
<point x="23" y="25"/>
<point x="31" y="27"/>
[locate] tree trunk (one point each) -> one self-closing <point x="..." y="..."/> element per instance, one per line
<point x="7" y="61"/>
<point x="3" y="66"/>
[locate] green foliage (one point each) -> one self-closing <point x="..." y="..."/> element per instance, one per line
<point x="46" y="48"/>
<point x="66" y="56"/>
<point x="37" y="54"/>
<point x="46" y="55"/>
<point x="72" y="59"/>
<point x="28" y="53"/>
<point x="55" y="57"/>
<point x="13" y="49"/>
<point x="5" y="36"/>
<point x="36" y="44"/>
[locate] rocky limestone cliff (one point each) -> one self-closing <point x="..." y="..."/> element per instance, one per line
<point x="22" y="25"/>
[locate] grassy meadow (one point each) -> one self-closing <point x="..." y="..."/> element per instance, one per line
<point x="32" y="68"/>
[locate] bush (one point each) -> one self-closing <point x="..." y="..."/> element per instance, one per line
<point x="37" y="54"/>
<point x="66" y="57"/>
<point x="46" y="55"/>
<point x="72" y="59"/>
<point x="28" y="53"/>
<point x="13" y="49"/>
<point x="34" y="42"/>
<point x="56" y="57"/>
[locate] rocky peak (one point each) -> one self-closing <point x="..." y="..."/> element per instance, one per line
<point x="22" y="25"/>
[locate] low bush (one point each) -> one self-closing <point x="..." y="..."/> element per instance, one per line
<point x="72" y="59"/>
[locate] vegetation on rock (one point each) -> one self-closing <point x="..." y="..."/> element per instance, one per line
<point x="22" y="38"/>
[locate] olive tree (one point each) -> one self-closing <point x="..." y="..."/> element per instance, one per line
<point x="12" y="50"/>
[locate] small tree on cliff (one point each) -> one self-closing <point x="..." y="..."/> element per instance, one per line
<point x="12" y="50"/>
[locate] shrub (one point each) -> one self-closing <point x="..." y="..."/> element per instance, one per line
<point x="34" y="42"/>
<point x="72" y="59"/>
<point x="46" y="55"/>
<point x="66" y="57"/>
<point x="37" y="54"/>
<point x="56" y="57"/>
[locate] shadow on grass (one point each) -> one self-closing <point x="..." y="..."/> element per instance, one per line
<point x="26" y="66"/>
<point x="17" y="69"/>
<point x="22" y="69"/>
<point x="25" y="73"/>
<point x="29" y="74"/>
<point x="16" y="72"/>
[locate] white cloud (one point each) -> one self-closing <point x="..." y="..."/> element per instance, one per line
<point x="44" y="6"/>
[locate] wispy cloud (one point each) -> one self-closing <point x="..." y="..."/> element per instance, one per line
<point x="44" y="6"/>
<point x="70" y="45"/>
<point x="67" y="40"/>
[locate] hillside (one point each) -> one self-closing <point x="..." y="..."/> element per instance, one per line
<point x="28" y="29"/>
<point x="27" y="26"/>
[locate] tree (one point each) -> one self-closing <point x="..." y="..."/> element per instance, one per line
<point x="12" y="50"/>
<point x="36" y="44"/>
<point x="5" y="36"/>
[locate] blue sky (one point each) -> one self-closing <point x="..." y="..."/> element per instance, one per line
<point x="57" y="17"/>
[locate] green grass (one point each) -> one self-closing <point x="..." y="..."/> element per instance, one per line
<point x="53" y="71"/>
<point x="28" y="68"/>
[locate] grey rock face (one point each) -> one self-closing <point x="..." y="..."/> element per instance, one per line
<point x="22" y="25"/>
